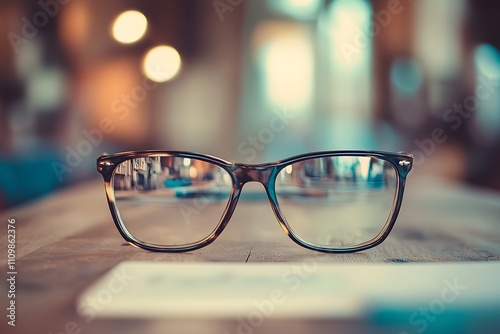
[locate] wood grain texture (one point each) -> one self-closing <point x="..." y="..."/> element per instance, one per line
<point x="67" y="240"/>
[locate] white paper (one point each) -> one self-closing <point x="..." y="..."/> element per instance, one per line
<point x="308" y="289"/>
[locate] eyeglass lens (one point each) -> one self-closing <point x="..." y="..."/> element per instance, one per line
<point x="168" y="201"/>
<point x="337" y="202"/>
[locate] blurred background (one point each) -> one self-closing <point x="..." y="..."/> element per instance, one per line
<point x="248" y="81"/>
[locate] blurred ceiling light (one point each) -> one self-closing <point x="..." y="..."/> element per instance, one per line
<point x="298" y="9"/>
<point x="129" y="27"/>
<point x="161" y="63"/>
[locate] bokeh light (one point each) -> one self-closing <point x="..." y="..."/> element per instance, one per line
<point x="406" y="76"/>
<point x="288" y="68"/>
<point x="161" y="63"/>
<point x="129" y="27"/>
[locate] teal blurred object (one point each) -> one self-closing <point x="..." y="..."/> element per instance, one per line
<point x="27" y="176"/>
<point x="173" y="183"/>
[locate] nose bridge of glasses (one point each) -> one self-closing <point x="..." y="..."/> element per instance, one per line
<point x="252" y="173"/>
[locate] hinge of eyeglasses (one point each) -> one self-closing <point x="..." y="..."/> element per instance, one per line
<point x="106" y="163"/>
<point x="404" y="163"/>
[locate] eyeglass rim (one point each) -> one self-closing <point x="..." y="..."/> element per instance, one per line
<point x="107" y="163"/>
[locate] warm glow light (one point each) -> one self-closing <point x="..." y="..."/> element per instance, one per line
<point x="129" y="27"/>
<point x="161" y="63"/>
<point x="288" y="65"/>
<point x="193" y="172"/>
<point x="349" y="20"/>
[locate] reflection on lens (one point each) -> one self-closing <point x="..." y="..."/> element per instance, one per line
<point x="170" y="201"/>
<point x="337" y="202"/>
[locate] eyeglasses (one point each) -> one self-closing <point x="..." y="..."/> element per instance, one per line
<point x="336" y="201"/>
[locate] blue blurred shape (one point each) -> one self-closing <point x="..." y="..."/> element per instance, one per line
<point x="487" y="59"/>
<point x="297" y="9"/>
<point x="406" y="76"/>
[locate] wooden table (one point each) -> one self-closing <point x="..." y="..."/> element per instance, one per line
<point x="67" y="240"/>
